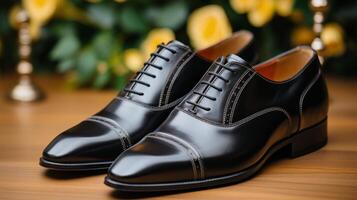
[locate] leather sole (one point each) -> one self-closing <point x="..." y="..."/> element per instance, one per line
<point x="300" y="143"/>
<point x="74" y="166"/>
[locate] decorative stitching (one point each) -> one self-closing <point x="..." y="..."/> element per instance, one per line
<point x="196" y="155"/>
<point x="194" y="167"/>
<point x="242" y="121"/>
<point x="115" y="125"/>
<point x="196" y="158"/>
<point x="233" y="93"/>
<point x="303" y="94"/>
<point x="238" y="96"/>
<point x="166" y="92"/>
<point x="154" y="108"/>
<point x="262" y="112"/>
<point x="124" y="146"/>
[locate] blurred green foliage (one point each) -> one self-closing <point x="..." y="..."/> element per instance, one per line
<point x="78" y="47"/>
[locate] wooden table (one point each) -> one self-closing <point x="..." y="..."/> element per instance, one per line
<point x="25" y="129"/>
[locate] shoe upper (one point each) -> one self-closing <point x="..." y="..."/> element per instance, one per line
<point x="229" y="120"/>
<point x="170" y="73"/>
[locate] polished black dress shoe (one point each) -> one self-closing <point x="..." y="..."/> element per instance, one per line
<point x="171" y="72"/>
<point x="235" y="119"/>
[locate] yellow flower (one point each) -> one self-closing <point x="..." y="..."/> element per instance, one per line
<point x="120" y="69"/>
<point x="302" y="35"/>
<point x="242" y="6"/>
<point x="133" y="59"/>
<point x="284" y="7"/>
<point x="116" y="61"/>
<point x="40" y="10"/>
<point x="67" y="10"/>
<point x="156" y="37"/>
<point x="261" y="13"/>
<point x="14" y="11"/>
<point x="35" y="29"/>
<point x="332" y="37"/>
<point x="208" y="25"/>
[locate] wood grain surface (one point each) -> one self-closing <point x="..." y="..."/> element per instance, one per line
<point x="25" y="129"/>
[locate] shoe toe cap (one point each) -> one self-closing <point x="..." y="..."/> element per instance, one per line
<point x="85" y="142"/>
<point x="152" y="161"/>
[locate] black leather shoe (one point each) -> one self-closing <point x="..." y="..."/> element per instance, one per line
<point x="235" y="119"/>
<point x="171" y="72"/>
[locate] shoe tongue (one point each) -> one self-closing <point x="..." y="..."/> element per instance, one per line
<point x="238" y="66"/>
<point x="234" y="58"/>
<point x="177" y="44"/>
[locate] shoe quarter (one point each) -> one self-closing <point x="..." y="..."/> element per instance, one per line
<point x="261" y="93"/>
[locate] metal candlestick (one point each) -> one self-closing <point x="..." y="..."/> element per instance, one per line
<point x="25" y="90"/>
<point x="319" y="7"/>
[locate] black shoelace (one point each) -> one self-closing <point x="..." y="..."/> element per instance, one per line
<point x="210" y="84"/>
<point x="144" y="72"/>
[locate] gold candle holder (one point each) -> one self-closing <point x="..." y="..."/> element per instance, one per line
<point x="25" y="90"/>
<point x="319" y="7"/>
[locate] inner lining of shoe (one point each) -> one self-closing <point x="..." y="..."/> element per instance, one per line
<point x="231" y="45"/>
<point x="284" y="67"/>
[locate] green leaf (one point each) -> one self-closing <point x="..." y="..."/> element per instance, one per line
<point x="65" y="47"/>
<point x="61" y="29"/>
<point x="103" y="44"/>
<point x="4" y="22"/>
<point x="120" y="82"/>
<point x="65" y="65"/>
<point x="101" y="80"/>
<point x="102" y="15"/>
<point x="171" y="15"/>
<point x="133" y="21"/>
<point x="86" y="65"/>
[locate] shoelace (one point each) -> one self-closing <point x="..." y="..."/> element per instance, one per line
<point x="144" y="72"/>
<point x="210" y="84"/>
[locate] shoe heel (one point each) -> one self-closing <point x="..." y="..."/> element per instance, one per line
<point x="309" y="140"/>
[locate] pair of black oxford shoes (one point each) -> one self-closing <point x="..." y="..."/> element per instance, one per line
<point x="200" y="119"/>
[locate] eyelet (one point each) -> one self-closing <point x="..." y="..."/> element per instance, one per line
<point x="193" y="111"/>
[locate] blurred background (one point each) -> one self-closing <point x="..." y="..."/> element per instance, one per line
<point x="84" y="51"/>
<point x="101" y="43"/>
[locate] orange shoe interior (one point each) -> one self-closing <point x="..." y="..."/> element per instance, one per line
<point x="231" y="45"/>
<point x="285" y="66"/>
